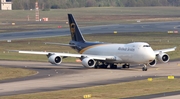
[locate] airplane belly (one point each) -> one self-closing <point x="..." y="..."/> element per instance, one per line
<point x="138" y="58"/>
<point x="125" y="57"/>
<point x="131" y="57"/>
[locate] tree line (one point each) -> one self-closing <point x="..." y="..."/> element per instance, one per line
<point x="63" y="4"/>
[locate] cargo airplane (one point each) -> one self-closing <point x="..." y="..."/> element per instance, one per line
<point x="102" y="55"/>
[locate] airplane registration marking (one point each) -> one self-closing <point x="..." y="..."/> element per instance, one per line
<point x="125" y="49"/>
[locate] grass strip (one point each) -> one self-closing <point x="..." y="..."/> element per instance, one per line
<point x="112" y="91"/>
<point x="8" y="73"/>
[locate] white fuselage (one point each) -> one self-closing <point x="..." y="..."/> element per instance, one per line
<point x="138" y="52"/>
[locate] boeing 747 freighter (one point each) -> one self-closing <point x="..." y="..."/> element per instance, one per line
<point x="102" y="55"/>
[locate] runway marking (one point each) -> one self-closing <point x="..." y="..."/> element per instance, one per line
<point x="171" y="77"/>
<point x="87" y="96"/>
<point x="150" y="79"/>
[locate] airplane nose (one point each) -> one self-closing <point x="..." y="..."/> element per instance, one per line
<point x="152" y="55"/>
<point x="149" y="55"/>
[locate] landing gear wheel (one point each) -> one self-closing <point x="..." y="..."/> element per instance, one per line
<point x="112" y="66"/>
<point x="125" y="66"/>
<point x="144" y="68"/>
<point x="128" y="66"/>
<point x="103" y="66"/>
<point x="96" y="67"/>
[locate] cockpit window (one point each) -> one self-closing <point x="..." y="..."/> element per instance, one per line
<point x="146" y="46"/>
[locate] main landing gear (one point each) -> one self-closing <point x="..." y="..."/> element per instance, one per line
<point x="144" y="68"/>
<point x="125" y="66"/>
<point x="112" y="66"/>
<point x="100" y="64"/>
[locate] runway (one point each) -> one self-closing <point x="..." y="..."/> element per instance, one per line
<point x="70" y="76"/>
<point x="120" y="28"/>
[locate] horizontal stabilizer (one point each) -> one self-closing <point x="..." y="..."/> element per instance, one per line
<point x="61" y="44"/>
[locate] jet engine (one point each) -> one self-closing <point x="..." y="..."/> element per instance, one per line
<point x="153" y="63"/>
<point x="163" y="57"/>
<point x="88" y="62"/>
<point x="55" y="59"/>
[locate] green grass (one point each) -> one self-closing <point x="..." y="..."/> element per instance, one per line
<point x="85" y="17"/>
<point x="156" y="40"/>
<point x="89" y="12"/>
<point x="111" y="91"/>
<point x="8" y="73"/>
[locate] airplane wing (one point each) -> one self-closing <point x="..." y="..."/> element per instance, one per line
<point x="164" y="50"/>
<point x="61" y="44"/>
<point x="96" y="57"/>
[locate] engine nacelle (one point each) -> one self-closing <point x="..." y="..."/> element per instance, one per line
<point x="153" y="63"/>
<point x="163" y="57"/>
<point x="55" y="59"/>
<point x="88" y="62"/>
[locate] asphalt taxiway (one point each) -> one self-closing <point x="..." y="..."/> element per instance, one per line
<point x="120" y="28"/>
<point x="69" y="76"/>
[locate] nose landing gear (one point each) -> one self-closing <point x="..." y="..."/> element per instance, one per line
<point x="144" y="67"/>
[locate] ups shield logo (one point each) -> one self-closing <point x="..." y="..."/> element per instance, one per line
<point x="72" y="28"/>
